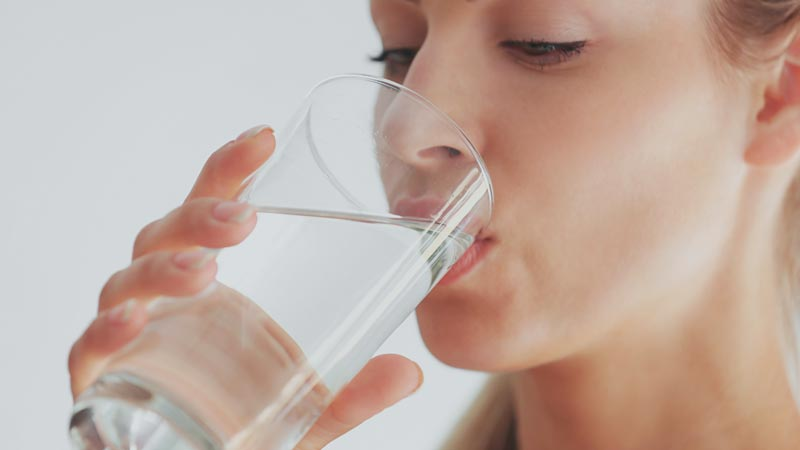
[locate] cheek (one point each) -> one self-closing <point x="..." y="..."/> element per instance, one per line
<point x="631" y="209"/>
<point x="639" y="192"/>
<point x="613" y="205"/>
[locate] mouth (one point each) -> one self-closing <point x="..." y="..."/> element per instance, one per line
<point x="426" y="207"/>
<point x="469" y="260"/>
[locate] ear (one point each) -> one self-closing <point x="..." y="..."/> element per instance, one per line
<point x="777" y="133"/>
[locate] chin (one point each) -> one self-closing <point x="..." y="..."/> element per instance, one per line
<point x="469" y="326"/>
<point x="474" y="344"/>
<point x="463" y="345"/>
<point x="464" y="333"/>
<point x="491" y="320"/>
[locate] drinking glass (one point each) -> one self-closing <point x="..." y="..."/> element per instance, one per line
<point x="371" y="195"/>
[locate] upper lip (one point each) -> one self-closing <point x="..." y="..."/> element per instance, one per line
<point x="426" y="207"/>
<point x="484" y="234"/>
<point x="423" y="207"/>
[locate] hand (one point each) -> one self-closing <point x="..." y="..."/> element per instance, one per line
<point x="166" y="263"/>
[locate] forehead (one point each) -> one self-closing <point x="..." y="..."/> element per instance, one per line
<point x="641" y="14"/>
<point x="596" y="5"/>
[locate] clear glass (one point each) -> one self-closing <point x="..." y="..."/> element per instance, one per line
<point x="370" y="197"/>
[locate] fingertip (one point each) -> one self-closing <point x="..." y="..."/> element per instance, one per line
<point x="116" y="328"/>
<point x="420" y="377"/>
<point x="254" y="131"/>
<point x="248" y="155"/>
<point x="409" y="375"/>
<point x="227" y="168"/>
<point x="261" y="141"/>
<point x="395" y="376"/>
<point x="383" y="381"/>
<point x="259" y="148"/>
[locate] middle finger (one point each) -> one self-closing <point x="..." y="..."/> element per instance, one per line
<point x="204" y="222"/>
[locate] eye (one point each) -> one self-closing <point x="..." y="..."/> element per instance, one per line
<point x="396" y="61"/>
<point x="543" y="54"/>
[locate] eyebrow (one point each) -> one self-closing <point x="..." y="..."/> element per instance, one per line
<point x="417" y="2"/>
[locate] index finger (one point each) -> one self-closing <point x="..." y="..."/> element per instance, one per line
<point x="226" y="169"/>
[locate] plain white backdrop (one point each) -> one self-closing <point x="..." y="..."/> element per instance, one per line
<point x="107" y="112"/>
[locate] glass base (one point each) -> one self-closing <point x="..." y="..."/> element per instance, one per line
<point x="121" y="412"/>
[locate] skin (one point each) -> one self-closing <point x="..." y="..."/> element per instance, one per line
<point x="631" y="281"/>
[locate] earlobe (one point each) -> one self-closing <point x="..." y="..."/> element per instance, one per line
<point x="777" y="133"/>
<point x="777" y="139"/>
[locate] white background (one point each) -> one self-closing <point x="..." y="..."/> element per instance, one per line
<point x="107" y="112"/>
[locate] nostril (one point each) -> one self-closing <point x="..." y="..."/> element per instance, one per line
<point x="440" y="151"/>
<point x="453" y="152"/>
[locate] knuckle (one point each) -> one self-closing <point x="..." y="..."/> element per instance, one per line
<point x="107" y="292"/>
<point x="74" y="358"/>
<point x="339" y="419"/>
<point x="227" y="234"/>
<point x="214" y="162"/>
<point x="200" y="203"/>
<point x="92" y="340"/>
<point x="240" y="233"/>
<point x="215" y="158"/>
<point x="195" y="283"/>
<point x="194" y="212"/>
<point x="201" y="227"/>
<point x="140" y="242"/>
<point x="195" y="220"/>
<point x="151" y="269"/>
<point x="81" y="349"/>
<point x="160" y="274"/>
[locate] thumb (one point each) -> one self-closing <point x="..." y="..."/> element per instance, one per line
<point x="385" y="380"/>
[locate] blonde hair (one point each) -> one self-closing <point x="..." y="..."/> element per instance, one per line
<point x="791" y="285"/>
<point x="740" y="28"/>
<point x="740" y="25"/>
<point x="489" y="423"/>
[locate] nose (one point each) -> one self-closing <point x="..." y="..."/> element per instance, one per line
<point x="447" y="82"/>
<point x="421" y="151"/>
<point x="431" y="137"/>
<point x="441" y="74"/>
<point x="428" y="165"/>
<point x="411" y="129"/>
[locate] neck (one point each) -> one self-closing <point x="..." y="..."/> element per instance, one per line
<point x="717" y="381"/>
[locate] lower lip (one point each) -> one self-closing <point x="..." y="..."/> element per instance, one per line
<point x="466" y="262"/>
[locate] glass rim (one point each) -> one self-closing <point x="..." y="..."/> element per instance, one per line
<point x="430" y="106"/>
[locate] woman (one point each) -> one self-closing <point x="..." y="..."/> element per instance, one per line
<point x="646" y="230"/>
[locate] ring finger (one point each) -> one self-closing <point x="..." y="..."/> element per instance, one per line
<point x="160" y="273"/>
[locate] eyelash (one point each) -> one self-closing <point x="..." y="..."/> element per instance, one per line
<point x="547" y="53"/>
<point x="386" y="55"/>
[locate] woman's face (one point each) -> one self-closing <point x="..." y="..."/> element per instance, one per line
<point x="614" y="150"/>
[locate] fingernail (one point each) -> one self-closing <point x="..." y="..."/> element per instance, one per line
<point x="193" y="259"/>
<point x="121" y="313"/>
<point x="419" y="381"/>
<point x="236" y="212"/>
<point x="254" y="131"/>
